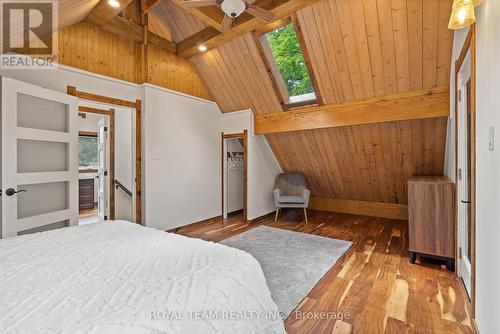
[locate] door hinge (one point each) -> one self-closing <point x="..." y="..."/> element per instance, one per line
<point x="459" y="252"/>
<point x="105" y="128"/>
<point x="105" y="217"/>
<point x="460" y="174"/>
<point x="105" y="173"/>
<point x="460" y="95"/>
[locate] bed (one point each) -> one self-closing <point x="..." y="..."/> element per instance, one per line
<point x="119" y="277"/>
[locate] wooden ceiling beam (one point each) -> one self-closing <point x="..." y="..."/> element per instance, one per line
<point x="103" y="13"/>
<point x="427" y="103"/>
<point x="211" y="15"/>
<point x="135" y="32"/>
<point x="246" y="23"/>
<point x="147" y="5"/>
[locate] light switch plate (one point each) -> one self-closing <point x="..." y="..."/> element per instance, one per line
<point x="156" y="155"/>
<point x="491" y="138"/>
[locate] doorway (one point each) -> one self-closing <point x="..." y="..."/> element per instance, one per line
<point x="125" y="184"/>
<point x="234" y="174"/>
<point x="465" y="163"/>
<point x="106" y="155"/>
<point x="96" y="129"/>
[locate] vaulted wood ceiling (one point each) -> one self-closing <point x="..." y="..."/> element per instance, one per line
<point x="177" y="20"/>
<point x="358" y="49"/>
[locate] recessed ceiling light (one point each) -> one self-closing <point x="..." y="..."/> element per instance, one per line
<point x="114" y="3"/>
<point x="202" y="48"/>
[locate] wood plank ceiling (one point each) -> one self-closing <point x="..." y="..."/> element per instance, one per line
<point x="359" y="49"/>
<point x="180" y="24"/>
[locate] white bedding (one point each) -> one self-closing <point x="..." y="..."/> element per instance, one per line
<point x="119" y="277"/>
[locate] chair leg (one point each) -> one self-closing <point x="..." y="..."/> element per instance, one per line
<point x="277" y="213"/>
<point x="305" y="214"/>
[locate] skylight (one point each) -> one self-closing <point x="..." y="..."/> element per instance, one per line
<point x="286" y="62"/>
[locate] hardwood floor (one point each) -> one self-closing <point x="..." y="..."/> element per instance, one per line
<point x="373" y="286"/>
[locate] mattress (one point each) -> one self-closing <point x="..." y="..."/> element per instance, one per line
<point x="118" y="277"/>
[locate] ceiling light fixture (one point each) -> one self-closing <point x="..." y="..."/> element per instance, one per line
<point x="114" y="3"/>
<point x="462" y="14"/>
<point x="202" y="48"/>
<point x="233" y="8"/>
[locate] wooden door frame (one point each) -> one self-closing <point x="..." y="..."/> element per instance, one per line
<point x="111" y="167"/>
<point x="137" y="105"/>
<point x="244" y="136"/>
<point x="469" y="43"/>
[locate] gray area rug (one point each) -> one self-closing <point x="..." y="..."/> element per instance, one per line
<point x="292" y="262"/>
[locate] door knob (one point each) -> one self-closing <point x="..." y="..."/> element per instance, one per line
<point x="10" y="191"/>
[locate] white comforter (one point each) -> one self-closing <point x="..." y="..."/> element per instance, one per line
<point x="118" y="277"/>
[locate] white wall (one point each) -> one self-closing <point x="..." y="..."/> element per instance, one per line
<point x="487" y="162"/>
<point x="488" y="168"/>
<point x="88" y="124"/>
<point x="58" y="79"/>
<point x="262" y="164"/>
<point x="124" y="162"/>
<point x="183" y="184"/>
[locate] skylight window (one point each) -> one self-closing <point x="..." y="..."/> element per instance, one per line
<point x="286" y="63"/>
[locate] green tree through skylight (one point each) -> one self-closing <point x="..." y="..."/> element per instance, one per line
<point x="290" y="60"/>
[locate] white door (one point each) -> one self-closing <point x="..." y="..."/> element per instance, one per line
<point x="39" y="158"/>
<point x="464" y="185"/>
<point x="102" y="153"/>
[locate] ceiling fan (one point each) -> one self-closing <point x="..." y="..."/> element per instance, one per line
<point x="232" y="9"/>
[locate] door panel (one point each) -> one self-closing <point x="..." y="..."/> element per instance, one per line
<point x="35" y="201"/>
<point x="39" y="158"/>
<point x="464" y="177"/>
<point x="102" y="190"/>
<point x="35" y="156"/>
<point x="43" y="114"/>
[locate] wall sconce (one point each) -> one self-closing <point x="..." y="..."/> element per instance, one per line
<point x="462" y="14"/>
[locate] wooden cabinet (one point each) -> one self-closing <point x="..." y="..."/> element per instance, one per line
<point x="86" y="193"/>
<point x="431" y="218"/>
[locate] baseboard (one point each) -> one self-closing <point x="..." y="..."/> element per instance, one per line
<point x="363" y="208"/>
<point x="191" y="225"/>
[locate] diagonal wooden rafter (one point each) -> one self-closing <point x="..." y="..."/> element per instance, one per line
<point x="147" y="5"/>
<point x="103" y="13"/>
<point x="212" y="38"/>
<point x="211" y="15"/>
<point x="135" y="32"/>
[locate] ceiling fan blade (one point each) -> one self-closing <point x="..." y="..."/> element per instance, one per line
<point x="199" y="3"/>
<point x="260" y="13"/>
<point x="226" y="23"/>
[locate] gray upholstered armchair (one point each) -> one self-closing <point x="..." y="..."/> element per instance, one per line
<point x="291" y="192"/>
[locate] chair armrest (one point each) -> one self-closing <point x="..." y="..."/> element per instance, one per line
<point x="307" y="195"/>
<point x="277" y="195"/>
